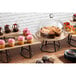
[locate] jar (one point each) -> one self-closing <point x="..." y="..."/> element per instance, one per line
<point x="7" y="28"/>
<point x="15" y="27"/>
<point x="74" y="17"/>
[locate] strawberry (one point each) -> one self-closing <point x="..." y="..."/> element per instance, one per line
<point x="66" y="23"/>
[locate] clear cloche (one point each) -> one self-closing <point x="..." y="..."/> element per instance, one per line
<point x="50" y="28"/>
<point x="50" y="22"/>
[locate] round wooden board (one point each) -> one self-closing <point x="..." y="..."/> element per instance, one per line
<point x="61" y="37"/>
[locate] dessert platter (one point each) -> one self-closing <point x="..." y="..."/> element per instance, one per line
<point x="70" y="27"/>
<point x="20" y="40"/>
<point x="51" y="33"/>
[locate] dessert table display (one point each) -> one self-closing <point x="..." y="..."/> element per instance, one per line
<point x="16" y="39"/>
<point x="50" y="31"/>
<point x="70" y="28"/>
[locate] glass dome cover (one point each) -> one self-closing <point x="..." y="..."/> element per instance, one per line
<point x="50" y="22"/>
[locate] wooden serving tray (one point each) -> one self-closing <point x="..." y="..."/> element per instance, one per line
<point x="9" y="34"/>
<point x="61" y="37"/>
<point x="35" y="41"/>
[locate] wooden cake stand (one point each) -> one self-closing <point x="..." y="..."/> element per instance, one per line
<point x="55" y="41"/>
<point x="23" y="47"/>
<point x="71" y="39"/>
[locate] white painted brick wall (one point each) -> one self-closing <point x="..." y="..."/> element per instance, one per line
<point x="30" y="20"/>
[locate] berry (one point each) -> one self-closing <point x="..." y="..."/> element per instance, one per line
<point x="66" y="23"/>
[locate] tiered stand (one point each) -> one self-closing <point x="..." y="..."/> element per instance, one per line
<point x="56" y="41"/>
<point x="71" y="35"/>
<point x="23" y="48"/>
<point x="70" y="39"/>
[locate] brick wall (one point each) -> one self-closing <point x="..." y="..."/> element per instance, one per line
<point x="30" y="20"/>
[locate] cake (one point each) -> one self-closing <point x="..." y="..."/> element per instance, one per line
<point x="70" y="26"/>
<point x="50" y="31"/>
<point x="15" y="27"/>
<point x="1" y="31"/>
<point x="25" y="30"/>
<point x="11" y="42"/>
<point x="29" y="38"/>
<point x="21" y="40"/>
<point x="7" y="28"/>
<point x="2" y="44"/>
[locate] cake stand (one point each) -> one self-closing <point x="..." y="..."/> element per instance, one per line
<point x="55" y="42"/>
<point x="71" y="36"/>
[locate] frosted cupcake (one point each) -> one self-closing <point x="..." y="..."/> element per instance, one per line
<point x="11" y="42"/>
<point x="25" y="30"/>
<point x="28" y="33"/>
<point x="21" y="40"/>
<point x="2" y="44"/>
<point x="29" y="38"/>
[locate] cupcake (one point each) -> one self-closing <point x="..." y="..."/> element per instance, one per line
<point x="29" y="38"/>
<point x="11" y="42"/>
<point x="28" y="33"/>
<point x="21" y="40"/>
<point x="25" y="30"/>
<point x="2" y="44"/>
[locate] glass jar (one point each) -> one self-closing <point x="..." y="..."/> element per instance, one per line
<point x="15" y="27"/>
<point x="7" y="29"/>
<point x="74" y="17"/>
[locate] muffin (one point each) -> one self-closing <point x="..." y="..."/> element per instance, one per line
<point x="21" y="40"/>
<point x="2" y="44"/>
<point x="25" y="30"/>
<point x="29" y="38"/>
<point x="47" y="32"/>
<point x="50" y="31"/>
<point x="11" y="42"/>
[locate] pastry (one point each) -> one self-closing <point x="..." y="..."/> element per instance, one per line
<point x="2" y="44"/>
<point x="15" y="27"/>
<point x="21" y="40"/>
<point x="11" y="42"/>
<point x="7" y="29"/>
<point x="50" y="31"/>
<point x="29" y="38"/>
<point x="1" y="31"/>
<point x="25" y="30"/>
